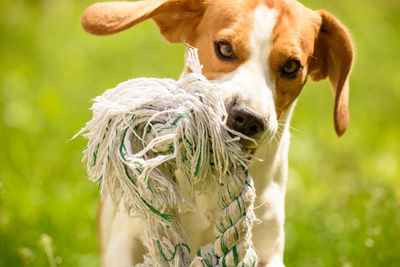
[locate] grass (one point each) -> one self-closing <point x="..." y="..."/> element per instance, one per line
<point x="343" y="197"/>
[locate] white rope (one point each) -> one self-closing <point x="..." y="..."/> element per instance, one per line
<point x="144" y="130"/>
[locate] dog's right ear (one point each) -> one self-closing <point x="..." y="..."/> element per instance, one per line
<point x="333" y="58"/>
<point x="176" y="19"/>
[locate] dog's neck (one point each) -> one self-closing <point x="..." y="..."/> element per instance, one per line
<point x="272" y="168"/>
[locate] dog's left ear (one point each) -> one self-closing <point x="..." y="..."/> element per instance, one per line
<point x="333" y="57"/>
<point x="177" y="19"/>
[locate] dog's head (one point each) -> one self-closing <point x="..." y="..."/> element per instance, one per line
<point x="267" y="48"/>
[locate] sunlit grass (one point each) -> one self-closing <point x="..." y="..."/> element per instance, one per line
<point x="343" y="194"/>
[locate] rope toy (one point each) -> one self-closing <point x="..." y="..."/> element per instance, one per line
<point x="141" y="133"/>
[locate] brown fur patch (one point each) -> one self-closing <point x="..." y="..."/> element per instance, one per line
<point x="293" y="38"/>
<point x="223" y="20"/>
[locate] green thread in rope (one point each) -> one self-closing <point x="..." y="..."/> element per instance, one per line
<point x="219" y="227"/>
<point x="127" y="174"/>
<point x="122" y="146"/>
<point x="198" y="253"/>
<point x="209" y="262"/>
<point x="171" y="148"/>
<point x="140" y="172"/>
<point x="163" y="128"/>
<point x="248" y="218"/>
<point x="138" y="163"/>
<point x="196" y="172"/>
<point x="245" y="170"/>
<point x="236" y="233"/>
<point x="99" y="181"/>
<point x="224" y="203"/>
<point x="190" y="144"/>
<point x="175" y="250"/>
<point x="149" y="128"/>
<point x="247" y="183"/>
<point x="149" y="186"/>
<point x="204" y="261"/>
<point x="238" y="201"/>
<point x="95" y="154"/>
<point x="235" y="255"/>
<point x="224" y="248"/>
<point x="223" y="261"/>
<point x="229" y="191"/>
<point x="165" y="216"/>
<point x="180" y="116"/>
<point x="108" y="125"/>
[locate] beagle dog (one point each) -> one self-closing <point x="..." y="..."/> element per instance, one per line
<point x="268" y="48"/>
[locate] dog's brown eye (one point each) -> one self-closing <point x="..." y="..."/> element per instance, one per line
<point x="224" y="50"/>
<point x="291" y="68"/>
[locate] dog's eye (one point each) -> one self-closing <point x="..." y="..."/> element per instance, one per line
<point x="224" y="50"/>
<point x="291" y="68"/>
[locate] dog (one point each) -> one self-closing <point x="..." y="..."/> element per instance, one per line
<point x="268" y="48"/>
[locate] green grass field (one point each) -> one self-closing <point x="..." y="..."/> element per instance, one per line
<point x="343" y="197"/>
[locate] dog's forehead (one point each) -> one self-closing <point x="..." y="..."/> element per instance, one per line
<point x="291" y="17"/>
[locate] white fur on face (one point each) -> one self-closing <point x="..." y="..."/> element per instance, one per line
<point x="252" y="80"/>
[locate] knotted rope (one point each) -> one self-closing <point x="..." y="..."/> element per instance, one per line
<point x="141" y="133"/>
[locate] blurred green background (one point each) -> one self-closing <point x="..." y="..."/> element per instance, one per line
<point x="343" y="197"/>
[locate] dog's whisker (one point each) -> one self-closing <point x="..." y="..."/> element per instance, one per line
<point x="259" y="206"/>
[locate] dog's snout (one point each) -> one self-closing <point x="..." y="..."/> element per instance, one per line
<point x="245" y="121"/>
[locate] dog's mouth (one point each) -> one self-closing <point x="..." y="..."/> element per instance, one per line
<point x="249" y="150"/>
<point x="251" y="145"/>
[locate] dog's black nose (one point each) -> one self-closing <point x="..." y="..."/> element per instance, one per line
<point x="245" y="121"/>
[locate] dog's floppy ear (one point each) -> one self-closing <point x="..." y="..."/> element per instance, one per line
<point x="333" y="57"/>
<point x="175" y="18"/>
